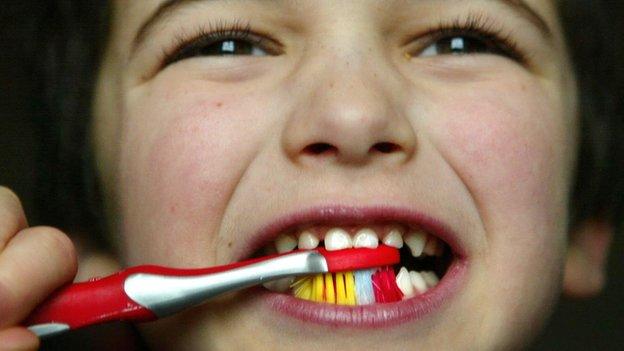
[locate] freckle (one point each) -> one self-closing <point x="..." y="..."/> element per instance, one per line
<point x="230" y="244"/>
<point x="219" y="104"/>
<point x="331" y="85"/>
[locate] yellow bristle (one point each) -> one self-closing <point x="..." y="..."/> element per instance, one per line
<point x="341" y="296"/>
<point x="302" y="288"/>
<point x="318" y="288"/>
<point x="330" y="293"/>
<point x="350" y="288"/>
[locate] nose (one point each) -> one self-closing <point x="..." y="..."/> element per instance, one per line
<point x="351" y="114"/>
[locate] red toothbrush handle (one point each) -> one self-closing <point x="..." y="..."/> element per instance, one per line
<point x="103" y="300"/>
<point x="92" y="302"/>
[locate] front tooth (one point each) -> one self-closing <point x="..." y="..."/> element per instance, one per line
<point x="416" y="242"/>
<point x="431" y="246"/>
<point x="280" y="285"/>
<point x="308" y="241"/>
<point x="418" y="282"/>
<point x="285" y="243"/>
<point x="394" y="238"/>
<point x="366" y="237"/>
<point x="337" y="239"/>
<point x="430" y="278"/>
<point x="404" y="283"/>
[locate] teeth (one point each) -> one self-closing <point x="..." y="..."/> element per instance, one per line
<point x="404" y="283"/>
<point x="416" y="242"/>
<point x="431" y="246"/>
<point x="418" y="282"/>
<point x="430" y="278"/>
<point x="337" y="239"/>
<point x="281" y="285"/>
<point x="365" y="237"/>
<point x="285" y="243"/>
<point x="394" y="238"/>
<point x="308" y="241"/>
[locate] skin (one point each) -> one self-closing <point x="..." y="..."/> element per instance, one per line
<point x="210" y="149"/>
<point x="196" y="156"/>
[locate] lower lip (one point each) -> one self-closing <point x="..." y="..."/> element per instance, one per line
<point x="372" y="316"/>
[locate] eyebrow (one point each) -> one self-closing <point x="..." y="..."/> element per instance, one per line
<point x="527" y="12"/>
<point x="163" y="11"/>
<point x="168" y="7"/>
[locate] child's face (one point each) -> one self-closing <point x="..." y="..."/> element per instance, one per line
<point x="200" y="154"/>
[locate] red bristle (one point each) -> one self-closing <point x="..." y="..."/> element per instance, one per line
<point x="384" y="286"/>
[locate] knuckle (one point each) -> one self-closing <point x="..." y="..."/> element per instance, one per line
<point x="9" y="196"/>
<point x="8" y="193"/>
<point x="10" y="203"/>
<point x="56" y="242"/>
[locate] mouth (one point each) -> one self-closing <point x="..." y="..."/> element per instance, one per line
<point x="432" y="266"/>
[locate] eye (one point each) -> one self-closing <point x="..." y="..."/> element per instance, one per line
<point x="462" y="45"/>
<point x="209" y="46"/>
<point x="474" y="34"/>
<point x="223" y="39"/>
<point x="226" y="47"/>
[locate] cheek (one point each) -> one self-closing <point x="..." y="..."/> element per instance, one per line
<point x="512" y="153"/>
<point x="510" y="149"/>
<point x="183" y="153"/>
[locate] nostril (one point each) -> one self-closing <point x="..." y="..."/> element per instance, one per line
<point x="319" y="148"/>
<point x="385" y="147"/>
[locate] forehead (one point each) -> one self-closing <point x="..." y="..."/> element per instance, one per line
<point x="132" y="11"/>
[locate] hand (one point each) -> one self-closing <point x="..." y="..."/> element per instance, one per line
<point x="34" y="261"/>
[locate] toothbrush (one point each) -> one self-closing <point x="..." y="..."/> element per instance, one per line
<point x="146" y="293"/>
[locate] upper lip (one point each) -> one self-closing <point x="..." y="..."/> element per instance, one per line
<point x="342" y="215"/>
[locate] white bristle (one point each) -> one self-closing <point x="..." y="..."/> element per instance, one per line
<point x="364" y="293"/>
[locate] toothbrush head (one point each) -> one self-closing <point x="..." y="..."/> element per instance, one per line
<point x="359" y="276"/>
<point x="360" y="258"/>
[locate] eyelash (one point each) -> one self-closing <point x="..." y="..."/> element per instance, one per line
<point x="475" y="25"/>
<point x="481" y="27"/>
<point x="215" y="32"/>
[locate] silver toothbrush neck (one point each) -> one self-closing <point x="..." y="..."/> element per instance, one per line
<point x="165" y="295"/>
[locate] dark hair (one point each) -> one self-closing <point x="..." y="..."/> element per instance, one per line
<point x="73" y="34"/>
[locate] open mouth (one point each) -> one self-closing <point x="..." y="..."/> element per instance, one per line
<point x="425" y="259"/>
<point x="433" y="266"/>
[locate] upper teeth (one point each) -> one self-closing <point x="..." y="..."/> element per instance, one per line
<point x="337" y="238"/>
<point x="365" y="237"/>
<point x="416" y="242"/>
<point x="307" y="240"/>
<point x="285" y="243"/>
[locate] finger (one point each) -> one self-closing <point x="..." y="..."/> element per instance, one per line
<point x="35" y="262"/>
<point x="18" y="339"/>
<point x="12" y="218"/>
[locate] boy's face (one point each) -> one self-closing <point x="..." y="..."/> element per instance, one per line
<point x="343" y="108"/>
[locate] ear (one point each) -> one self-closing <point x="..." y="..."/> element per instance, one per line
<point x="586" y="263"/>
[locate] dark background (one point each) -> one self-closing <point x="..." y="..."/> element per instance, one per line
<point x="596" y="324"/>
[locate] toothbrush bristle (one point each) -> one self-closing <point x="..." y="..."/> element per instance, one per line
<point x="350" y="288"/>
<point x="364" y="287"/>
<point x="385" y="287"/>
